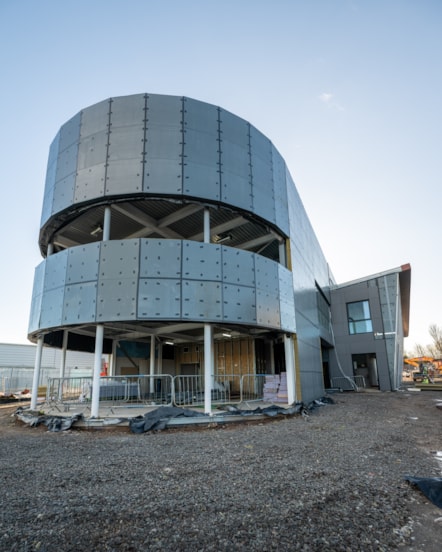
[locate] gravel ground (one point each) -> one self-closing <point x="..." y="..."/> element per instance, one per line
<point x="332" y="481"/>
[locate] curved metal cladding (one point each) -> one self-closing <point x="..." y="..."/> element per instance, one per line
<point x="145" y="147"/>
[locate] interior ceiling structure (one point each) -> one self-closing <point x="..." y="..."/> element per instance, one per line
<point x="160" y="218"/>
<point x="170" y="220"/>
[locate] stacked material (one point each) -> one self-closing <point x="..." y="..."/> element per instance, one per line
<point x="271" y="386"/>
<point x="282" y="395"/>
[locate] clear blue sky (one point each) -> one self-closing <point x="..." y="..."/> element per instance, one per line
<point x="349" y="91"/>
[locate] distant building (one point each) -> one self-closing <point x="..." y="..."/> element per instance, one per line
<point x="173" y="233"/>
<point x="17" y="365"/>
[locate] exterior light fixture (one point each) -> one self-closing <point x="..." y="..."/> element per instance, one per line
<point x="168" y="342"/>
<point x="222" y="238"/>
<point x="97" y="230"/>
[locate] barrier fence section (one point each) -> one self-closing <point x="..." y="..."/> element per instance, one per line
<point x="252" y="387"/>
<point x="115" y="390"/>
<point x="17" y="379"/>
<point x="157" y="390"/>
<point x="345" y="383"/>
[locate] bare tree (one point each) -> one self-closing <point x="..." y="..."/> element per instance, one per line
<point x="436" y="335"/>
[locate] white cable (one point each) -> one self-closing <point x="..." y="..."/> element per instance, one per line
<point x="352" y="383"/>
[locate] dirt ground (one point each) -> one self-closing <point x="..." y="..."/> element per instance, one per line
<point x="407" y="425"/>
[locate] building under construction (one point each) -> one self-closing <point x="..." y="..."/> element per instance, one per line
<point x="174" y="240"/>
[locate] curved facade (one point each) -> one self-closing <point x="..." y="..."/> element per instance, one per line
<point x="197" y="226"/>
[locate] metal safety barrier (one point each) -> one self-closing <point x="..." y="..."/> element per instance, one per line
<point x="114" y="390"/>
<point x="157" y="390"/>
<point x="345" y="383"/>
<point x="252" y="387"/>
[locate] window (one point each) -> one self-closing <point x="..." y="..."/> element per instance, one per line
<point x="359" y="320"/>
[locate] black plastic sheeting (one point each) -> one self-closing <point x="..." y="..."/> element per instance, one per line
<point x="53" y="423"/>
<point x="430" y="486"/>
<point x="158" y="419"/>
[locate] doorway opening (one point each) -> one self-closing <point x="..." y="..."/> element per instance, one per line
<point x="365" y="366"/>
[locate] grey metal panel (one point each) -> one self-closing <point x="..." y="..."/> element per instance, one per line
<point x="119" y="259"/>
<point x="262" y="175"/>
<point x="201" y="261"/>
<point x="37" y="295"/>
<point x="117" y="299"/>
<point x="201" y="300"/>
<point x="287" y="300"/>
<point x="280" y="187"/>
<point x="52" y="308"/>
<point x="67" y="162"/>
<point x="89" y="183"/>
<point x="80" y="301"/>
<point x="266" y="274"/>
<point x="126" y="145"/>
<point x="238" y="266"/>
<point x="239" y="304"/>
<point x="124" y="177"/>
<point x="82" y="265"/>
<point x="70" y="132"/>
<point x="267" y="292"/>
<point x="164" y="137"/>
<point x="159" y="298"/>
<point x="201" y="150"/>
<point x="236" y="178"/>
<point x="92" y="150"/>
<point x="160" y="258"/>
<point x="55" y="272"/>
<point x="95" y="119"/>
<point x="50" y="180"/>
<point x="46" y="211"/>
<point x="127" y="110"/>
<point x="63" y="193"/>
<point x="267" y="309"/>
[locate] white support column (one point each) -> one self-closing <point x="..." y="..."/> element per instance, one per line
<point x="160" y="358"/>
<point x="282" y="254"/>
<point x="97" y="369"/>
<point x="208" y="367"/>
<point x="290" y="368"/>
<point x="152" y="363"/>
<point x="113" y="359"/>
<point x="50" y="249"/>
<point x="106" y="223"/>
<point x="63" y="353"/>
<point x="272" y="356"/>
<point x="36" y="377"/>
<point x="206" y="225"/>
